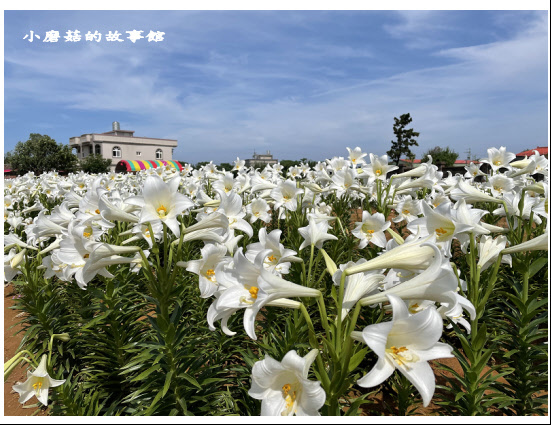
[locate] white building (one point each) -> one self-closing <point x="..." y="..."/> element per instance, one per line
<point x="120" y="145"/>
<point x="260" y="159"/>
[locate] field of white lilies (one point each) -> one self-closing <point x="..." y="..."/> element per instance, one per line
<point x="329" y="289"/>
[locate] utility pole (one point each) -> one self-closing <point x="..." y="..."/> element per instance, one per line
<point x="468" y="152"/>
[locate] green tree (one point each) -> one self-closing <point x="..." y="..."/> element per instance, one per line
<point x="95" y="164"/>
<point x="226" y="166"/>
<point x="404" y="138"/>
<point x="41" y="154"/>
<point x="439" y="155"/>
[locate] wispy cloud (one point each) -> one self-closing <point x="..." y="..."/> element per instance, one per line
<point x="296" y="83"/>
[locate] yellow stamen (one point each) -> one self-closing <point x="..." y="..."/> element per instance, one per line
<point x="37" y="386"/>
<point x="413" y="308"/>
<point x="272" y="258"/>
<point x="378" y="172"/>
<point x="254" y="292"/>
<point x="161" y="211"/>
<point x="405" y="212"/>
<point x="97" y="211"/>
<point x="86" y="256"/>
<point x="211" y="275"/>
<point x="86" y="234"/>
<point x="286" y="388"/>
<point x="440" y="232"/>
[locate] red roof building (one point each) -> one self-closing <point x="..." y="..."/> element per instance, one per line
<point x="542" y="151"/>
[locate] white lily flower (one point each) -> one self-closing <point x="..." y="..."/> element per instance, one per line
<point x="371" y="229"/>
<point x="12" y="239"/>
<point x="285" y="195"/>
<point x="249" y="286"/>
<point x="284" y="387"/>
<point x="378" y="167"/>
<point x="357" y="285"/>
<point x="440" y="222"/>
<point x="356" y="156"/>
<point x="489" y="249"/>
<point x="417" y="171"/>
<point x="473" y="170"/>
<point x="211" y="221"/>
<point x="239" y="164"/>
<point x="343" y="181"/>
<point x="539" y="243"/>
<point x="315" y="233"/>
<point x="93" y="268"/>
<point x="259" y="209"/>
<point x="470" y="194"/>
<point x="116" y="210"/>
<point x="212" y="255"/>
<point x="406" y="343"/>
<point x="412" y="255"/>
<point x="279" y="261"/>
<point x="499" y="158"/>
<point x="12" y="258"/>
<point x="161" y="202"/>
<point x="437" y="283"/>
<point x="500" y="184"/>
<point x="231" y="205"/>
<point x="408" y="209"/>
<point x="37" y="384"/>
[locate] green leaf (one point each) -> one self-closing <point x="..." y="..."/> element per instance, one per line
<point x="536" y="266"/>
<point x="357" y="359"/>
<point x="167" y="382"/>
<point x="459" y="396"/>
<point x="190" y="379"/>
<point x="146" y="373"/>
<point x="480" y="340"/>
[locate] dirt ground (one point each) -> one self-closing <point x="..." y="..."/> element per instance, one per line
<point x="12" y="407"/>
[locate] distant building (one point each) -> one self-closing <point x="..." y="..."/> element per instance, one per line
<point x="417" y="162"/>
<point x="543" y="151"/>
<point x="118" y="145"/>
<point x="261" y="159"/>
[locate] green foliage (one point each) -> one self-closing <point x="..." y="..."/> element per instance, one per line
<point x="288" y="163"/>
<point x="95" y="164"/>
<point x="225" y="166"/>
<point x="200" y="164"/>
<point x="439" y="155"/>
<point x="404" y="138"/>
<point x="39" y="154"/>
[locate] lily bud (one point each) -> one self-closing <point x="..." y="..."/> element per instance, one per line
<point x="540" y="243"/>
<point x="331" y="266"/>
<point x="17" y="259"/>
<point x="63" y="337"/>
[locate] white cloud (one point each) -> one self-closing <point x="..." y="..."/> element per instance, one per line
<point x="220" y="105"/>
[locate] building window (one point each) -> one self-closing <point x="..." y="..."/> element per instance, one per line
<point x="159" y="154"/>
<point x="138" y="153"/>
<point x="98" y="150"/>
<point x="116" y="152"/>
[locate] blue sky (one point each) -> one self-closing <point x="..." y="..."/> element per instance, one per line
<point x="298" y="83"/>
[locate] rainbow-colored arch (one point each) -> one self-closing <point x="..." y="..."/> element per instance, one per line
<point x="135" y="165"/>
